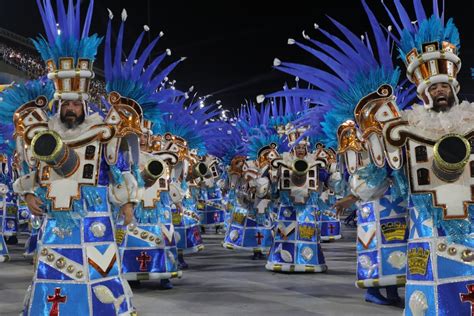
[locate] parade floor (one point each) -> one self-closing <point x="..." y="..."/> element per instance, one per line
<point x="225" y="282"/>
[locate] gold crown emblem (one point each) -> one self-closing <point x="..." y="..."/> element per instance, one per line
<point x="176" y="218"/>
<point x="394" y="231"/>
<point x="431" y="63"/>
<point x="418" y="260"/>
<point x="238" y="218"/>
<point x="201" y="206"/>
<point x="71" y="80"/>
<point x="119" y="234"/>
<point x="306" y="231"/>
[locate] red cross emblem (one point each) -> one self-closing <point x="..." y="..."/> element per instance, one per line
<point x="144" y="258"/>
<point x="259" y="238"/>
<point x="468" y="297"/>
<point x="56" y="299"/>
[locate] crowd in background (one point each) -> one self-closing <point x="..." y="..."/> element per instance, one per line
<point x="33" y="67"/>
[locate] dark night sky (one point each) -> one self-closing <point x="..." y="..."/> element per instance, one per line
<point x="231" y="45"/>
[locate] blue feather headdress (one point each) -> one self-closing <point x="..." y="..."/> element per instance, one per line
<point x="285" y="110"/>
<point x="190" y="122"/>
<point x="256" y="131"/>
<point x="63" y="32"/>
<point x="429" y="47"/>
<point x="12" y="99"/>
<point x="68" y="50"/>
<point x="227" y="143"/>
<point x="134" y="78"/>
<point x="17" y="95"/>
<point x="356" y="68"/>
<point x="264" y="138"/>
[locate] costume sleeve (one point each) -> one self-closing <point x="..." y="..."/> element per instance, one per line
<point x="25" y="184"/>
<point x="369" y="183"/>
<point x="123" y="187"/>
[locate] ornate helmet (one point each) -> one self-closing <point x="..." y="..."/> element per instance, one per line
<point x="429" y="48"/>
<point x="68" y="53"/>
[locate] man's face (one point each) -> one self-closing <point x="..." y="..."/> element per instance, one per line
<point x="144" y="141"/>
<point x="72" y="113"/>
<point x="300" y="150"/>
<point x="442" y="96"/>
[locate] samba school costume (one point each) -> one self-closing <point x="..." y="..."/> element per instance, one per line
<point x="184" y="131"/>
<point x="251" y="223"/>
<point x="439" y="160"/>
<point x="147" y="246"/>
<point x="359" y="85"/>
<point x="81" y="176"/>
<point x="34" y="93"/>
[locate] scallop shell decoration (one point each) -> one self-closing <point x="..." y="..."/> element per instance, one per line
<point x="234" y="235"/>
<point x="397" y="259"/>
<point x="365" y="212"/>
<point x="418" y="303"/>
<point x="3" y="189"/>
<point x="98" y="229"/>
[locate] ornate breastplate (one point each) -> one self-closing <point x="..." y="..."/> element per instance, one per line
<point x="298" y="176"/>
<point x="443" y="167"/>
<point x="84" y="170"/>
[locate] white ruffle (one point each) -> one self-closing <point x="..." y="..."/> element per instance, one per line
<point x="459" y="119"/>
<point x="66" y="134"/>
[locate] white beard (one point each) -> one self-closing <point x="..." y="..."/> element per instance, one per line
<point x="459" y="119"/>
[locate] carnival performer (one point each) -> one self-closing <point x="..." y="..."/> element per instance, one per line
<point x="360" y="76"/>
<point x="211" y="203"/>
<point x="251" y="222"/>
<point x="83" y="172"/>
<point x="437" y="136"/>
<point x="33" y="93"/>
<point x="147" y="245"/>
<point x="184" y="131"/>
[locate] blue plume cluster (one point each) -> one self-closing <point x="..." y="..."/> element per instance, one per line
<point x="356" y="67"/>
<point x="64" y="37"/>
<point x="425" y="30"/>
<point x="195" y="123"/>
<point x="134" y="78"/>
<point x="18" y="94"/>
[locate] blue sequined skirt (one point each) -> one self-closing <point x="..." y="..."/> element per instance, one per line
<point x="247" y="232"/>
<point x="382" y="231"/>
<point x="148" y="251"/>
<point x="329" y="225"/>
<point x="440" y="271"/>
<point x="78" y="268"/>
<point x="296" y="247"/>
<point x="187" y="230"/>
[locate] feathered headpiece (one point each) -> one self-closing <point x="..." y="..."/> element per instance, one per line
<point x="429" y="47"/>
<point x="68" y="52"/>
<point x="134" y="81"/>
<point x="357" y="68"/>
<point x="16" y="103"/>
<point x="15" y="96"/>
<point x="227" y="143"/>
<point x="189" y="122"/>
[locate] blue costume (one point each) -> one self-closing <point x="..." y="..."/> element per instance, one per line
<point x="147" y="246"/>
<point x="81" y="176"/>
